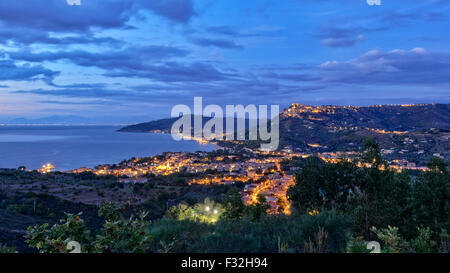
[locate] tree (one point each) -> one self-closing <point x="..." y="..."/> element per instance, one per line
<point x="258" y="209"/>
<point x="371" y="154"/>
<point x="437" y="164"/>
<point x="430" y="198"/>
<point x="305" y="195"/>
<point x="322" y="185"/>
<point x="393" y="242"/>
<point x="56" y="238"/>
<point x="234" y="208"/>
<point x="381" y="198"/>
<point x="118" y="235"/>
<point x="6" y="249"/>
<point x="372" y="194"/>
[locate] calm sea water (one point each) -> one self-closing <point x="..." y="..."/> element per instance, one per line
<point x="71" y="147"/>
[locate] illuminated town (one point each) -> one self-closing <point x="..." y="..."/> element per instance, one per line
<point x="261" y="172"/>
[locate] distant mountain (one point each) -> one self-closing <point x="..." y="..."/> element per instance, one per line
<point x="66" y="120"/>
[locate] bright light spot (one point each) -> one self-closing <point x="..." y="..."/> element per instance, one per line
<point x="207" y="208"/>
<point x="215" y="211"/>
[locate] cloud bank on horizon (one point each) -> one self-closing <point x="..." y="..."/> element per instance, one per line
<point x="139" y="58"/>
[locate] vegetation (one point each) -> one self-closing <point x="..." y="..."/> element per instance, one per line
<point x="118" y="234"/>
<point x="412" y="216"/>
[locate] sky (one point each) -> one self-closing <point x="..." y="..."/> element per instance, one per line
<point x="132" y="61"/>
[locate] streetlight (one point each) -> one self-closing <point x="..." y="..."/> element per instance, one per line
<point x="207" y="208"/>
<point x="215" y="211"/>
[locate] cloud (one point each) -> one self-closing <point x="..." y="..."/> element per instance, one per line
<point x="96" y="102"/>
<point x="396" y="18"/>
<point x="239" y="33"/>
<point x="78" y="93"/>
<point x="80" y="85"/>
<point x="343" y="36"/>
<point x="180" y="11"/>
<point x="56" y="15"/>
<point x="343" y="41"/>
<point x="32" y="21"/>
<point x="135" y="58"/>
<point x="231" y="92"/>
<point x="10" y="71"/>
<point x="351" y="29"/>
<point x="222" y="43"/>
<point x="176" y="72"/>
<point x="26" y="36"/>
<point x="415" y="66"/>
<point x="293" y="77"/>
<point x="151" y="62"/>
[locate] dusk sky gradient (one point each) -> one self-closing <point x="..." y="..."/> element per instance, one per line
<point x="131" y="61"/>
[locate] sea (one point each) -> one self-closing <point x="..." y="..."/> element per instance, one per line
<point x="72" y="147"/>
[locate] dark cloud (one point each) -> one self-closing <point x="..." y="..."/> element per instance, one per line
<point x="108" y="95"/>
<point x="239" y="91"/>
<point x="176" y="72"/>
<point x="79" y="93"/>
<point x="10" y="71"/>
<point x="80" y="85"/>
<point x="96" y="102"/>
<point x="400" y="18"/>
<point x="236" y="32"/>
<point x="292" y="77"/>
<point x="31" y="21"/>
<point x="417" y="66"/>
<point x="222" y="43"/>
<point x="396" y="67"/>
<point x="134" y="58"/>
<point x="349" y="30"/>
<point x="152" y="62"/>
<point x="25" y="36"/>
<point x="344" y="36"/>
<point x="180" y="11"/>
<point x="57" y="15"/>
<point x="343" y="42"/>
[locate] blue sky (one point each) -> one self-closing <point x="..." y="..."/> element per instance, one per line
<point x="132" y="61"/>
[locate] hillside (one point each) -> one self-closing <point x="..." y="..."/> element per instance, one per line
<point x="413" y="132"/>
<point x="384" y="117"/>
<point x="162" y="125"/>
